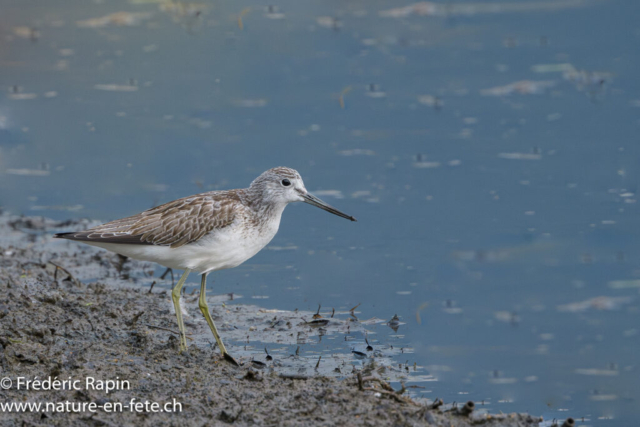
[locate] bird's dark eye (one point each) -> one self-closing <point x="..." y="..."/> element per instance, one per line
<point x="286" y="182"/>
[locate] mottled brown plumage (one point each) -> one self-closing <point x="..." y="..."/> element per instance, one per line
<point x="173" y="224"/>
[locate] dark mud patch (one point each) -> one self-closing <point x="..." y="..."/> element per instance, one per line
<point x="67" y="314"/>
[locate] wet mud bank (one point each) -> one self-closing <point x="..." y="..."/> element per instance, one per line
<point x="83" y="344"/>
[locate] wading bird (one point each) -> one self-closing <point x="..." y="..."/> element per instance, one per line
<point x="205" y="232"/>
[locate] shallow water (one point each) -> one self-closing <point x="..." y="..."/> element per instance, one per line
<point x="488" y="153"/>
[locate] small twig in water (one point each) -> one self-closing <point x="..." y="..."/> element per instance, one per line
<point x="318" y="315"/>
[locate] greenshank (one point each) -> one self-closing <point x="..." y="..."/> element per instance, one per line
<point x="205" y="232"/>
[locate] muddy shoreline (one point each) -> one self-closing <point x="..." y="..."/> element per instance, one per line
<point x="56" y="324"/>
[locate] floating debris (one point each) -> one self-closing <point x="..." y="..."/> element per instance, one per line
<point x="329" y="22"/>
<point x="597" y="398"/>
<point x="361" y="193"/>
<point x="446" y="9"/>
<point x="329" y="193"/>
<point x="181" y="12"/>
<point x="624" y="284"/>
<point x="426" y="165"/>
<point x="523" y="87"/>
<point x="583" y="79"/>
<point x="597" y="303"/>
<point x="28" y="172"/>
<point x="520" y="156"/>
<point x="552" y="68"/>
<point x="118" y="19"/>
<point x="423" y="8"/>
<point x="27" y="33"/>
<point x="250" y="103"/>
<point x="507" y="317"/>
<point x="22" y="96"/>
<point x="593" y="83"/>
<point x="72" y="208"/>
<point x="282" y="248"/>
<point x="597" y="372"/>
<point x="431" y="101"/>
<point x="116" y="87"/>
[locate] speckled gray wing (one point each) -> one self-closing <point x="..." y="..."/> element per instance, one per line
<point x="173" y="224"/>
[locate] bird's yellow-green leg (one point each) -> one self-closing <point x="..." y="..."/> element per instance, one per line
<point x="175" y="296"/>
<point x="202" y="303"/>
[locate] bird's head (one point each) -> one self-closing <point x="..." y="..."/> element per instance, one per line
<point x="283" y="185"/>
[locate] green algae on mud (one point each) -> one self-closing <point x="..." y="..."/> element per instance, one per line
<point x="57" y="325"/>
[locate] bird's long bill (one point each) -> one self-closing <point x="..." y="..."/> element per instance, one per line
<point x="313" y="200"/>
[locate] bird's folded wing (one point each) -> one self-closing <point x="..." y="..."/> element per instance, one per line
<point x="173" y="224"/>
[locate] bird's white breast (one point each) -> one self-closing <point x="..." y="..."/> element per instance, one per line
<point x="218" y="250"/>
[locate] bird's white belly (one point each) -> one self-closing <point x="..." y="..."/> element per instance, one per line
<point x="216" y="251"/>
